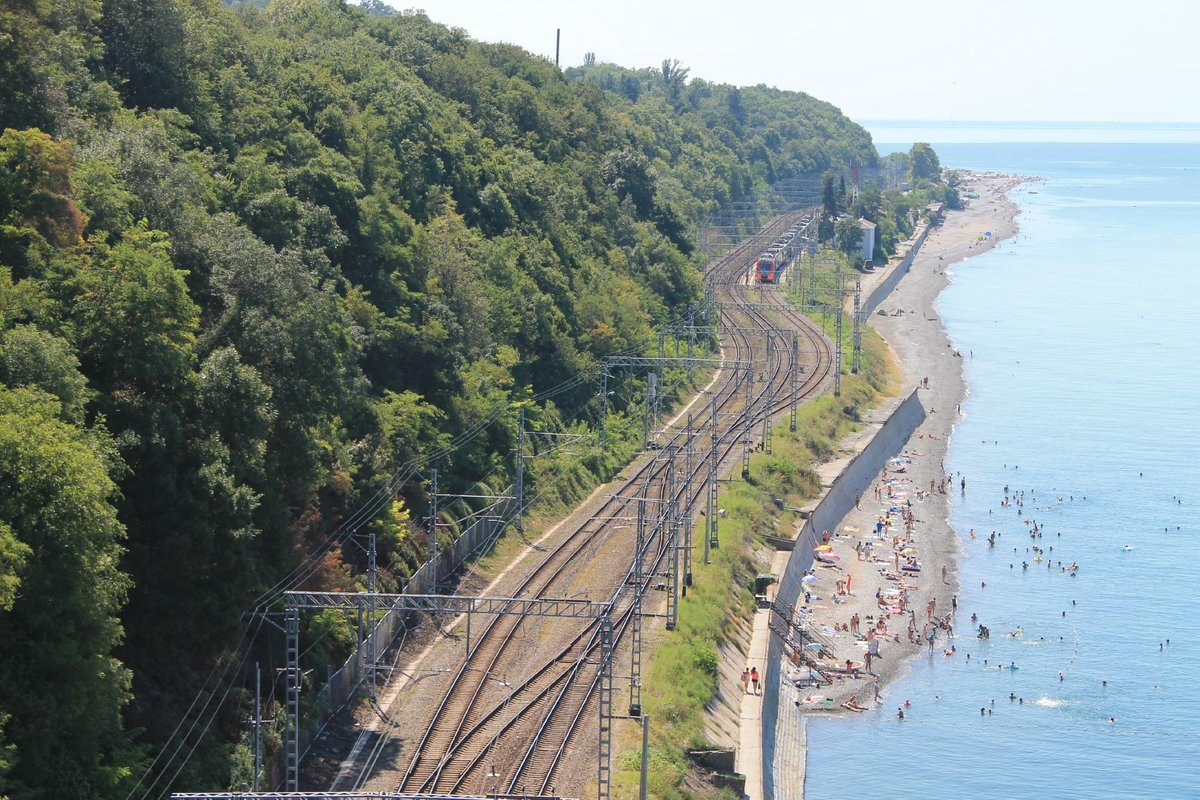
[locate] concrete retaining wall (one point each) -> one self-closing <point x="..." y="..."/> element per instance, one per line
<point x="853" y="481"/>
<point x="885" y="287"/>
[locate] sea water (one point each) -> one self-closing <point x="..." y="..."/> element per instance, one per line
<point x="1080" y="343"/>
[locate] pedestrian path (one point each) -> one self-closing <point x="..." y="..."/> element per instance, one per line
<point x="749" y="752"/>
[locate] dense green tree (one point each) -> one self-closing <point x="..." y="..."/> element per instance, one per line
<point x="37" y="208"/>
<point x="847" y="235"/>
<point x="830" y="206"/>
<point x="276" y="251"/>
<point x="925" y="164"/>
<point x="33" y="357"/>
<point x="59" y="681"/>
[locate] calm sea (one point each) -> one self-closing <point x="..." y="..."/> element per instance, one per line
<point x="1084" y="394"/>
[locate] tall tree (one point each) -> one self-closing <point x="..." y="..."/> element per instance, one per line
<point x="61" y="684"/>
<point x="847" y="235"/>
<point x="925" y="164"/>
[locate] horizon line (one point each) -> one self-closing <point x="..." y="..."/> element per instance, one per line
<point x="1023" y="121"/>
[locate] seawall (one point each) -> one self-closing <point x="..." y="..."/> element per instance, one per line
<point x="885" y="286"/>
<point x="784" y="743"/>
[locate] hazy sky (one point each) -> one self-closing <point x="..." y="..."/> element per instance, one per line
<point x="887" y="59"/>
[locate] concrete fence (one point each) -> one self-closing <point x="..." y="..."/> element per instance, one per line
<point x="340" y="685"/>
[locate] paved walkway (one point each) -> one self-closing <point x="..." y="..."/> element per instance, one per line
<point x="749" y="752"/>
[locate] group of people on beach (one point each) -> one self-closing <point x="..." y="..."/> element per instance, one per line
<point x="895" y="525"/>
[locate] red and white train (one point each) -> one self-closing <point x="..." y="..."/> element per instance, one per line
<point x="770" y="265"/>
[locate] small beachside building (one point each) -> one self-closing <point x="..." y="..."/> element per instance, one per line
<point x="867" y="243"/>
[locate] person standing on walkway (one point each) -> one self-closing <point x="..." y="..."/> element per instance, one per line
<point x="746" y="680"/>
<point x="754" y="678"/>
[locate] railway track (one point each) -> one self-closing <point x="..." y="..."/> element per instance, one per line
<point x="530" y="727"/>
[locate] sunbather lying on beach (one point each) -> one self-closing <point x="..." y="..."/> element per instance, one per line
<point x="853" y="705"/>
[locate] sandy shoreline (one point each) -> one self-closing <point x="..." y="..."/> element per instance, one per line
<point x="879" y="586"/>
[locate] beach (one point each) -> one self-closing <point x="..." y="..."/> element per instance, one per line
<point x="884" y="582"/>
<point x="1076" y="443"/>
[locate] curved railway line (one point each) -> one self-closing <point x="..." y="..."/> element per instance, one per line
<point x="530" y="726"/>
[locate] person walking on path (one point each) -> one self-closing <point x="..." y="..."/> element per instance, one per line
<point x="746" y="680"/>
<point x="754" y="678"/>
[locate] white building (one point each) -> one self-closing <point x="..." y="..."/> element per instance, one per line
<point x="867" y="243"/>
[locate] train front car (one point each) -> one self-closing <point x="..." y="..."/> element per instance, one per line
<point x="765" y="268"/>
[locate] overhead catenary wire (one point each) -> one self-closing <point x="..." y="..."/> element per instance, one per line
<point x="219" y="678"/>
<point x="307" y="567"/>
<point x="244" y="645"/>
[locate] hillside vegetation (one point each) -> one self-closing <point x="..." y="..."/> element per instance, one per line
<point x="252" y="260"/>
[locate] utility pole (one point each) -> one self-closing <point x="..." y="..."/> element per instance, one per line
<point x="745" y="434"/>
<point x="837" y="355"/>
<point x="795" y="380"/>
<point x="769" y="396"/>
<point x="603" y="400"/>
<point x="687" y="511"/>
<point x="257" y="724"/>
<point x="857" y="363"/>
<point x="710" y="510"/>
<point x="671" y="539"/>
<point x="557" y="43"/>
<point x="635" y="664"/>
<point x="291" y="629"/>
<point x="691" y="338"/>
<point x="519" y="483"/>
<point x="433" y="548"/>
<point x="661" y="370"/>
<point x="372" y="572"/>
<point x="645" y="757"/>
<point x="651" y="401"/>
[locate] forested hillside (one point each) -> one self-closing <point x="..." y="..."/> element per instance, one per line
<point x="251" y="260"/>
